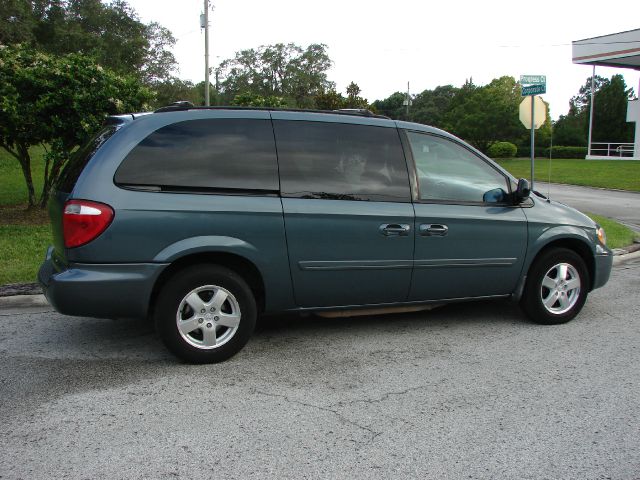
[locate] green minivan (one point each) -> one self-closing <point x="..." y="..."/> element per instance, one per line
<point x="206" y="218"/>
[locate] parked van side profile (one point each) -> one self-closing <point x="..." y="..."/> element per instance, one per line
<point x="205" y="218"/>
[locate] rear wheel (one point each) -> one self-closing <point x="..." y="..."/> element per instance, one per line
<point x="557" y="287"/>
<point x="205" y="314"/>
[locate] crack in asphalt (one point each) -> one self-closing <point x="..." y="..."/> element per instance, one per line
<point x="374" y="434"/>
<point x="384" y="397"/>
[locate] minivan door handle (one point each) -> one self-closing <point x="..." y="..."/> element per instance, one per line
<point x="399" y="229"/>
<point x="433" y="230"/>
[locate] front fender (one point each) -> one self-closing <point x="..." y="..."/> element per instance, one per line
<point x="539" y="240"/>
<point x="545" y="236"/>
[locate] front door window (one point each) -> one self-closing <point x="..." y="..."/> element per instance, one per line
<point x="448" y="172"/>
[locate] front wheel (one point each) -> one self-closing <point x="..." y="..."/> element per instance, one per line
<point x="205" y="314"/>
<point x="557" y="287"/>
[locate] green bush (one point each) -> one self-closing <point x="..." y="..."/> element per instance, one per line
<point x="502" y="150"/>
<point x="525" y="151"/>
<point x="565" y="152"/>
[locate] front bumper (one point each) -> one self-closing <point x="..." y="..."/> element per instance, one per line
<point x="99" y="290"/>
<point x="603" y="265"/>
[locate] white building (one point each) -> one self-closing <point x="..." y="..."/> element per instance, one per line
<point x="621" y="50"/>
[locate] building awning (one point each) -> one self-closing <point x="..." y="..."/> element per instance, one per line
<point x="620" y="50"/>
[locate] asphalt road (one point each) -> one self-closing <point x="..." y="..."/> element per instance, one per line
<point x="466" y="391"/>
<point x="617" y="204"/>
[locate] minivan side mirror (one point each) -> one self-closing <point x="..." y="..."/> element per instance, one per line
<point x="497" y="195"/>
<point x="522" y="191"/>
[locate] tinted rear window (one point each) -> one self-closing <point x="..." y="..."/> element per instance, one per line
<point x="227" y="154"/>
<point x="341" y="161"/>
<point x="80" y="158"/>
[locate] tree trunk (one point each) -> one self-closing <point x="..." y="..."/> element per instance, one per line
<point x="50" y="177"/>
<point x="22" y="155"/>
<point x="25" y="163"/>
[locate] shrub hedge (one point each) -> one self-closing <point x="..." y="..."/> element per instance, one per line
<point x="502" y="150"/>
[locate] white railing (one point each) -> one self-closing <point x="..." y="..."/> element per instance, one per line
<point x="612" y="149"/>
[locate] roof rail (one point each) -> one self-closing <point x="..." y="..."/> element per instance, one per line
<point x="118" y="119"/>
<point x="175" y="106"/>
<point x="185" y="105"/>
<point x="356" y="111"/>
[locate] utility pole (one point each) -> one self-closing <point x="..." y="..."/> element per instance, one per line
<point x="206" y="52"/>
<point x="407" y="102"/>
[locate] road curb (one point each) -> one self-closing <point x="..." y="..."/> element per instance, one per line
<point x="622" y="259"/>
<point x="23" y="301"/>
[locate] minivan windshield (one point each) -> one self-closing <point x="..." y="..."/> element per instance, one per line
<point x="81" y="157"/>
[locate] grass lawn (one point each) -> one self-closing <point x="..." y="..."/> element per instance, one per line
<point x="24" y="235"/>
<point x="14" y="189"/>
<point x="22" y="249"/>
<point x="618" y="235"/>
<point x="618" y="174"/>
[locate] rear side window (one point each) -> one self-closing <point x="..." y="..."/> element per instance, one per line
<point x="341" y="161"/>
<point x="80" y="158"/>
<point x="220" y="154"/>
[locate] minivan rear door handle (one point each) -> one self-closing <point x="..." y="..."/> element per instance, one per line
<point x="433" y="230"/>
<point x="398" y="229"/>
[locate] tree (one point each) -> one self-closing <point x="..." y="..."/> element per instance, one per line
<point x="159" y="63"/>
<point x="111" y="33"/>
<point x="391" y="106"/>
<point x="329" y="100"/>
<point x="430" y="106"/>
<point x="253" y="100"/>
<point x="280" y="70"/>
<point x="609" y="114"/>
<point x="353" y="90"/>
<point x="354" y="100"/>
<point x="173" y="89"/>
<point x="483" y="115"/>
<point x="569" y="130"/>
<point x="16" y="22"/>
<point x="58" y="102"/>
<point x="580" y="102"/>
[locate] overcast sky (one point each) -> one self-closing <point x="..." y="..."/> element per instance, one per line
<point x="382" y="45"/>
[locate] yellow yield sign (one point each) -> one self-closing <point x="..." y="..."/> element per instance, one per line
<point x="539" y="112"/>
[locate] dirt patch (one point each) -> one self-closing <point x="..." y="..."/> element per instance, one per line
<point x="21" y="215"/>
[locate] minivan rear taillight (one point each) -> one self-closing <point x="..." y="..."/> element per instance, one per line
<point x="83" y="221"/>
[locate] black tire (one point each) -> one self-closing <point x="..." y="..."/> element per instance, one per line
<point x="532" y="298"/>
<point x="184" y="282"/>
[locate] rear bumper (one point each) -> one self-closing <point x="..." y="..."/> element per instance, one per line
<point x="99" y="290"/>
<point x="604" y="263"/>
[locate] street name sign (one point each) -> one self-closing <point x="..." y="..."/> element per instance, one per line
<point x="533" y="84"/>
<point x="532" y="79"/>
<point x="533" y="90"/>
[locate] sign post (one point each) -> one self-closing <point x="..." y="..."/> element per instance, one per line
<point x="533" y="85"/>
